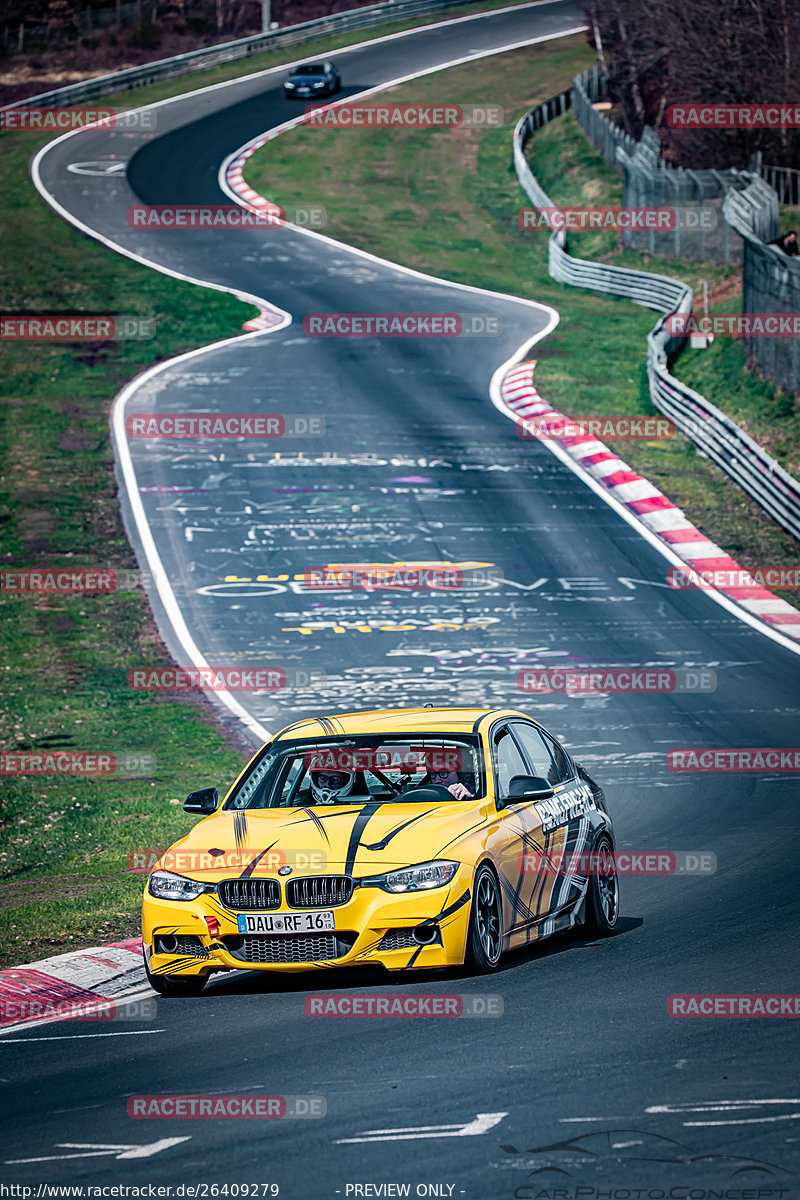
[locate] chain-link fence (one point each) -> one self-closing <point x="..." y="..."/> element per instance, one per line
<point x="697" y="230"/>
<point x="784" y="181"/>
<point x="771" y="283"/>
<point x="721" y="216"/>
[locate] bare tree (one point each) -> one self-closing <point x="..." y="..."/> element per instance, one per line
<point x="662" y="52"/>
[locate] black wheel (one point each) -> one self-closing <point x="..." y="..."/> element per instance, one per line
<point x="485" y="935"/>
<point x="602" y="899"/>
<point x="175" y="985"/>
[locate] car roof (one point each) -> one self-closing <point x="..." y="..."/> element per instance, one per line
<point x="395" y="720"/>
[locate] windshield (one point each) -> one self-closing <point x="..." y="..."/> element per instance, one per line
<point x="313" y="69"/>
<point x="355" y="770"/>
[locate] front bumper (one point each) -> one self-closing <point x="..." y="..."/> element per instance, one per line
<point x="373" y="928"/>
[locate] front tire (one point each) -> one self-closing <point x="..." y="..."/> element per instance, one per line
<point x="175" y="985"/>
<point x="602" y="899"/>
<point x="485" y="934"/>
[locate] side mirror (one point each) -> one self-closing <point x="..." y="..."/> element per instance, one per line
<point x="529" y="787"/>
<point x="204" y="801"/>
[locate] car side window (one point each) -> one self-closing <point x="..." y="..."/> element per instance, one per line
<point x="507" y="761"/>
<point x="538" y="751"/>
<point x="563" y="765"/>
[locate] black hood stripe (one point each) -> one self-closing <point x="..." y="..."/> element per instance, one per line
<point x="384" y="842"/>
<point x="313" y="816"/>
<point x="248" y="871"/>
<point x="240" y="830"/>
<point x="359" y="825"/>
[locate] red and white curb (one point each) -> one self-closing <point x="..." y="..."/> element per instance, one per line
<point x="267" y="318"/>
<point x="73" y="986"/>
<point x="649" y="505"/>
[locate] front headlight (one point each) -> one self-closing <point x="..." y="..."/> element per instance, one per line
<point x="415" y="879"/>
<point x="320" y="84"/>
<point x="290" y="85"/>
<point x="167" y="886"/>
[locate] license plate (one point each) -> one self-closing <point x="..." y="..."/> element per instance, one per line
<point x="307" y="922"/>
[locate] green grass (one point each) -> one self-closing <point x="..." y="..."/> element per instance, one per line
<point x="445" y="201"/>
<point x="65" y="658"/>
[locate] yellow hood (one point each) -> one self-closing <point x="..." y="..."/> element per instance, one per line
<point x="343" y="839"/>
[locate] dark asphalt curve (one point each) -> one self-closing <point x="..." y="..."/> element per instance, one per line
<point x="598" y="1087"/>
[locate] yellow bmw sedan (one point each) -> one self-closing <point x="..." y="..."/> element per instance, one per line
<point x="416" y="838"/>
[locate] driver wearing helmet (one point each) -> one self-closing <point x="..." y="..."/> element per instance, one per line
<point x="330" y="787"/>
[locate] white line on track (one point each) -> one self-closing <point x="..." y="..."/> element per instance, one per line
<point x="71" y="1037"/>
<point x="124" y="998"/>
<point x="743" y="1121"/>
<point x="482" y="1124"/>
<point x="580" y="1120"/>
<point x="716" y="1105"/>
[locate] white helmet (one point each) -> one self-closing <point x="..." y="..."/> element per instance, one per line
<point x="331" y="793"/>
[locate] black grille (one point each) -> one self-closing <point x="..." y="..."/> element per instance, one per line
<point x="187" y="943"/>
<point x="403" y="939"/>
<point x="250" y="894"/>
<point x="398" y="939"/>
<point x="319" y="891"/>
<point x="290" y="948"/>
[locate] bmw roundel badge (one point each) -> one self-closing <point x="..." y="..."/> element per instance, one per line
<point x="284" y="870"/>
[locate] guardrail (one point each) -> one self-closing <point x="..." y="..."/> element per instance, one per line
<point x="714" y="434"/>
<point x="215" y="56"/>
